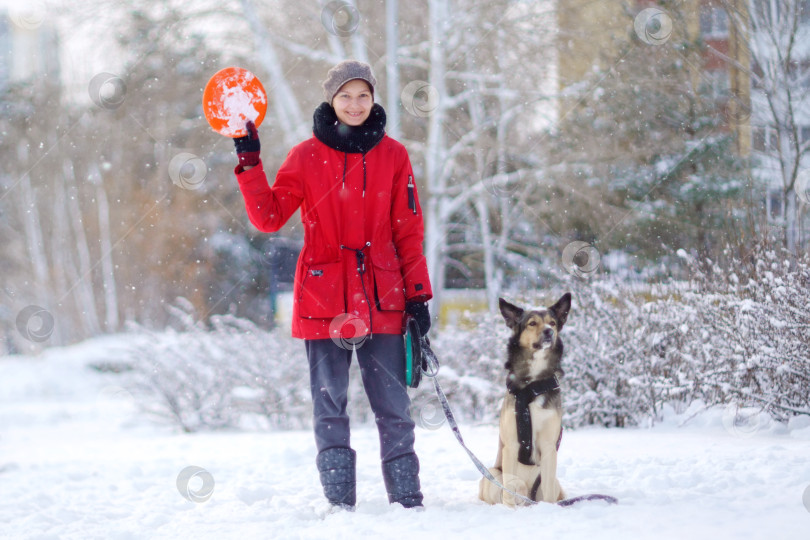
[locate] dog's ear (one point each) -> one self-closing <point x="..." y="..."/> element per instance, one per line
<point x="510" y="312"/>
<point x="560" y="310"/>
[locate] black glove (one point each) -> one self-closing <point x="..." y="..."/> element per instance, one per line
<point x="419" y="311"/>
<point x="248" y="147"/>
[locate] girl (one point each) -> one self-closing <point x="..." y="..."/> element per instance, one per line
<point x="360" y="270"/>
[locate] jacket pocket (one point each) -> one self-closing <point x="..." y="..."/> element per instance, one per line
<point x="321" y="294"/>
<point x="389" y="288"/>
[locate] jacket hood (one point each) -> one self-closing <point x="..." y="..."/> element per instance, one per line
<point x="349" y="139"/>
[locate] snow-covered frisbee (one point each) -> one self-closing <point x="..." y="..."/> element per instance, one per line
<point x="233" y="96"/>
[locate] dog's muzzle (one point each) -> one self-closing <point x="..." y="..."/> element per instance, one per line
<point x="546" y="340"/>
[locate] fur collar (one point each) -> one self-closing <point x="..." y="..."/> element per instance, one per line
<point x="350" y="139"/>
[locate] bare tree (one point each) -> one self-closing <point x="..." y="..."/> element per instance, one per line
<point x="287" y="107"/>
<point x="776" y="32"/>
<point x="464" y="103"/>
<point x="109" y="235"/>
<point x="484" y="104"/>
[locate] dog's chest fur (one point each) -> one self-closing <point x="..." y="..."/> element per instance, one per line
<point x="539" y="363"/>
<point x="537" y="367"/>
<point x="526" y="366"/>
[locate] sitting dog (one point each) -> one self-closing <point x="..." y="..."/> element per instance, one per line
<point x="531" y="415"/>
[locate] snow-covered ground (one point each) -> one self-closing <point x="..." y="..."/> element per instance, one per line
<point x="77" y="461"/>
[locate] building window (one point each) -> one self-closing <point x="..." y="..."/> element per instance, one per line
<point x="713" y="22"/>
<point x="804" y="135"/>
<point x="716" y="82"/>
<point x="763" y="139"/>
<point x="758" y="138"/>
<point x="799" y="72"/>
<point x="774" y="201"/>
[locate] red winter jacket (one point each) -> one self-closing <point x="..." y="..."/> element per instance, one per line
<point x="385" y="222"/>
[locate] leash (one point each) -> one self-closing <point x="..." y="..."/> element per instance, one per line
<point x="432" y="371"/>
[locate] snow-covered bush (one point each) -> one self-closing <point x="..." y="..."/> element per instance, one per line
<point x="750" y="334"/>
<point x="734" y="334"/>
<point x="599" y="339"/>
<point x="602" y="354"/>
<point x="471" y="367"/>
<point x="229" y="373"/>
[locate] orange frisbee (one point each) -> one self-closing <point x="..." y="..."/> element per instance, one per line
<point x="232" y="97"/>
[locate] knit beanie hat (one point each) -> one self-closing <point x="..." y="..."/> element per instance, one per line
<point x="344" y="72"/>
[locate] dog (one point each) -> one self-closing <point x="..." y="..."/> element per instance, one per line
<point x="531" y="414"/>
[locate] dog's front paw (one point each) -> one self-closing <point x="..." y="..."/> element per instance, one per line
<point x="509" y="500"/>
<point x="516" y="485"/>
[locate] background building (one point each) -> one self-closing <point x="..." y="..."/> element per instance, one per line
<point x="29" y="49"/>
<point x="754" y="62"/>
<point x="592" y="35"/>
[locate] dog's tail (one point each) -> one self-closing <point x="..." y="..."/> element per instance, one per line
<point x="594" y="497"/>
<point x="572" y="500"/>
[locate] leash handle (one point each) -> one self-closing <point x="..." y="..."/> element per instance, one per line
<point x="431" y="361"/>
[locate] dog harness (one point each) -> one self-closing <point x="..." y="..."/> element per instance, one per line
<point x="432" y="373"/>
<point x="523" y="398"/>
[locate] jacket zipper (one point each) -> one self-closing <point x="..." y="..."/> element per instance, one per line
<point x="411" y="195"/>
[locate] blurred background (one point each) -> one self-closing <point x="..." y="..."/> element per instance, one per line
<point x="555" y="144"/>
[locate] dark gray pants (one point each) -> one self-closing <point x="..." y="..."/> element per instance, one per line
<point x="382" y="368"/>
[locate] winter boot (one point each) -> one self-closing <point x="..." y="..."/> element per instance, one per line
<point x="337" y="469"/>
<point x="401" y="477"/>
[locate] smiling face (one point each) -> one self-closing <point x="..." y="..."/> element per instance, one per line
<point x="353" y="102"/>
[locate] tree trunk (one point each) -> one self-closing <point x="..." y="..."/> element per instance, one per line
<point x="108" y="272"/>
<point x="288" y="111"/>
<point x="36" y="246"/>
<point x="392" y="68"/>
<point x="492" y="287"/>
<point x="359" y="45"/>
<point x="435" y="153"/>
<point x="83" y="283"/>
<point x="791" y="220"/>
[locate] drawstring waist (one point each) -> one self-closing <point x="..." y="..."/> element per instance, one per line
<point x="360" y="254"/>
<point x="361" y="269"/>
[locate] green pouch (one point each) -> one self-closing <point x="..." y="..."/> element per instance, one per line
<point x="414" y="356"/>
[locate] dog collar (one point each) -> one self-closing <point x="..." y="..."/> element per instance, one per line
<point x="535" y="388"/>
<point x="523" y="398"/>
